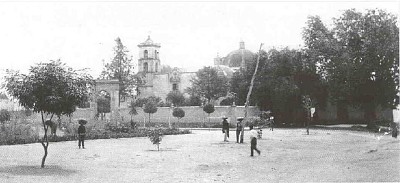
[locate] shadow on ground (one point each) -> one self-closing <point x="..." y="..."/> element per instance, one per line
<point x="25" y="170"/>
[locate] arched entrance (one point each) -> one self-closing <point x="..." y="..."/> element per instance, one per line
<point x="103" y="104"/>
<point x="108" y="91"/>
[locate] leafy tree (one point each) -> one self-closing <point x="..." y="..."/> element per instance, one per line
<point x="359" y="58"/>
<point x="209" y="84"/>
<point x="150" y="107"/>
<point x="49" y="89"/>
<point x="122" y="69"/>
<point x="4" y="116"/>
<point x="208" y="108"/>
<point x="155" y="136"/>
<point x="132" y="110"/>
<point x="176" y="97"/>
<point x="178" y="113"/>
<point x="140" y="102"/>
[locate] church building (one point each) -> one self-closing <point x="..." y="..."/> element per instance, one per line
<point x="156" y="83"/>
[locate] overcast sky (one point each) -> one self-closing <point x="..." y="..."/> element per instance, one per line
<point x="191" y="34"/>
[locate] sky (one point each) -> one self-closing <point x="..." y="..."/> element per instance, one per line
<point x="191" y="34"/>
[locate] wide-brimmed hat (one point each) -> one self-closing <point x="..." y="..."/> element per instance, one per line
<point x="224" y="117"/>
<point x="240" y="118"/>
<point x="82" y="121"/>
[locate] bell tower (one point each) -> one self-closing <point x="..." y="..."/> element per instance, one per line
<point x="149" y="58"/>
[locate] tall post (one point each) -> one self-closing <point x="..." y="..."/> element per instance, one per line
<point x="250" y="90"/>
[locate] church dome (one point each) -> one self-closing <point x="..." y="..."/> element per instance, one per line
<point x="237" y="58"/>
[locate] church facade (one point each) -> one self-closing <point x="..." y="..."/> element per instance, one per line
<point x="156" y="83"/>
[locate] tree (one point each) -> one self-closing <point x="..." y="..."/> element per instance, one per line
<point x="208" y="108"/>
<point x="50" y="89"/>
<point x="359" y="58"/>
<point x="155" y="136"/>
<point x="209" y="84"/>
<point x="150" y="107"/>
<point x="122" y="69"/>
<point x="4" y="116"/>
<point x="132" y="110"/>
<point x="178" y="113"/>
<point x="176" y="98"/>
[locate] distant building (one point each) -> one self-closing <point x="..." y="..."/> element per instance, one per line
<point x="234" y="60"/>
<point x="160" y="84"/>
<point x="157" y="83"/>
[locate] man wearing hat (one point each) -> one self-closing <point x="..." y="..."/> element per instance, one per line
<point x="81" y="133"/>
<point x="225" y="128"/>
<point x="239" y="128"/>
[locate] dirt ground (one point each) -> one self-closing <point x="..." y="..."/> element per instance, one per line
<point x="287" y="155"/>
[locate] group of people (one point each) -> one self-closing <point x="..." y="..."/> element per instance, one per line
<point x="240" y="134"/>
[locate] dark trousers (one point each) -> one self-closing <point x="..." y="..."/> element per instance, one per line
<point x="81" y="141"/>
<point x="254" y="146"/>
<point x="237" y="135"/>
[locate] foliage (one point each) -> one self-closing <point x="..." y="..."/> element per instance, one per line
<point x="176" y="97"/>
<point x="103" y="102"/>
<point x="193" y="100"/>
<point x="209" y="84"/>
<point x="178" y="113"/>
<point x="50" y="89"/>
<point x="132" y="109"/>
<point x="150" y="106"/>
<point x="358" y="58"/>
<point x="155" y="135"/>
<point x="275" y="88"/>
<point x="209" y="108"/>
<point x="122" y="69"/>
<point x="140" y="102"/>
<point x="4" y="116"/>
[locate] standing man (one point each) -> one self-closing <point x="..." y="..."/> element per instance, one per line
<point x="81" y="135"/>
<point x="239" y="128"/>
<point x="225" y="128"/>
<point x="253" y="139"/>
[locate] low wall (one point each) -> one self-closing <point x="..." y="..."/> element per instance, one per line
<point x="193" y="114"/>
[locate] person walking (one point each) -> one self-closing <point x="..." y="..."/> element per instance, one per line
<point x="272" y="123"/>
<point x="239" y="128"/>
<point x="81" y="135"/>
<point x="253" y="140"/>
<point x="225" y="128"/>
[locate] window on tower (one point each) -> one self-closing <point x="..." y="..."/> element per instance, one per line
<point x="174" y="87"/>
<point x="156" y="67"/>
<point x="145" y="67"/>
<point x="155" y="54"/>
<point x="146" y="54"/>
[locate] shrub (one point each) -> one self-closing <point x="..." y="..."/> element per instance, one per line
<point x="155" y="136"/>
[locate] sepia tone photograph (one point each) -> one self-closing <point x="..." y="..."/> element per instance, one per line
<point x="199" y="91"/>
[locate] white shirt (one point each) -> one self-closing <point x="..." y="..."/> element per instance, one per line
<point x="253" y="133"/>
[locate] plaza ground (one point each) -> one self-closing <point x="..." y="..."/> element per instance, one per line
<point x="287" y="155"/>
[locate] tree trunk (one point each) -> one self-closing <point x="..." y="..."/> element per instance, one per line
<point x="45" y="153"/>
<point x="308" y="122"/>
<point x="158" y="146"/>
<point x="209" y="128"/>
<point x="149" y="120"/>
<point x="45" y="139"/>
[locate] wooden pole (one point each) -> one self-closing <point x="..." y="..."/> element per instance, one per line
<point x="251" y="89"/>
